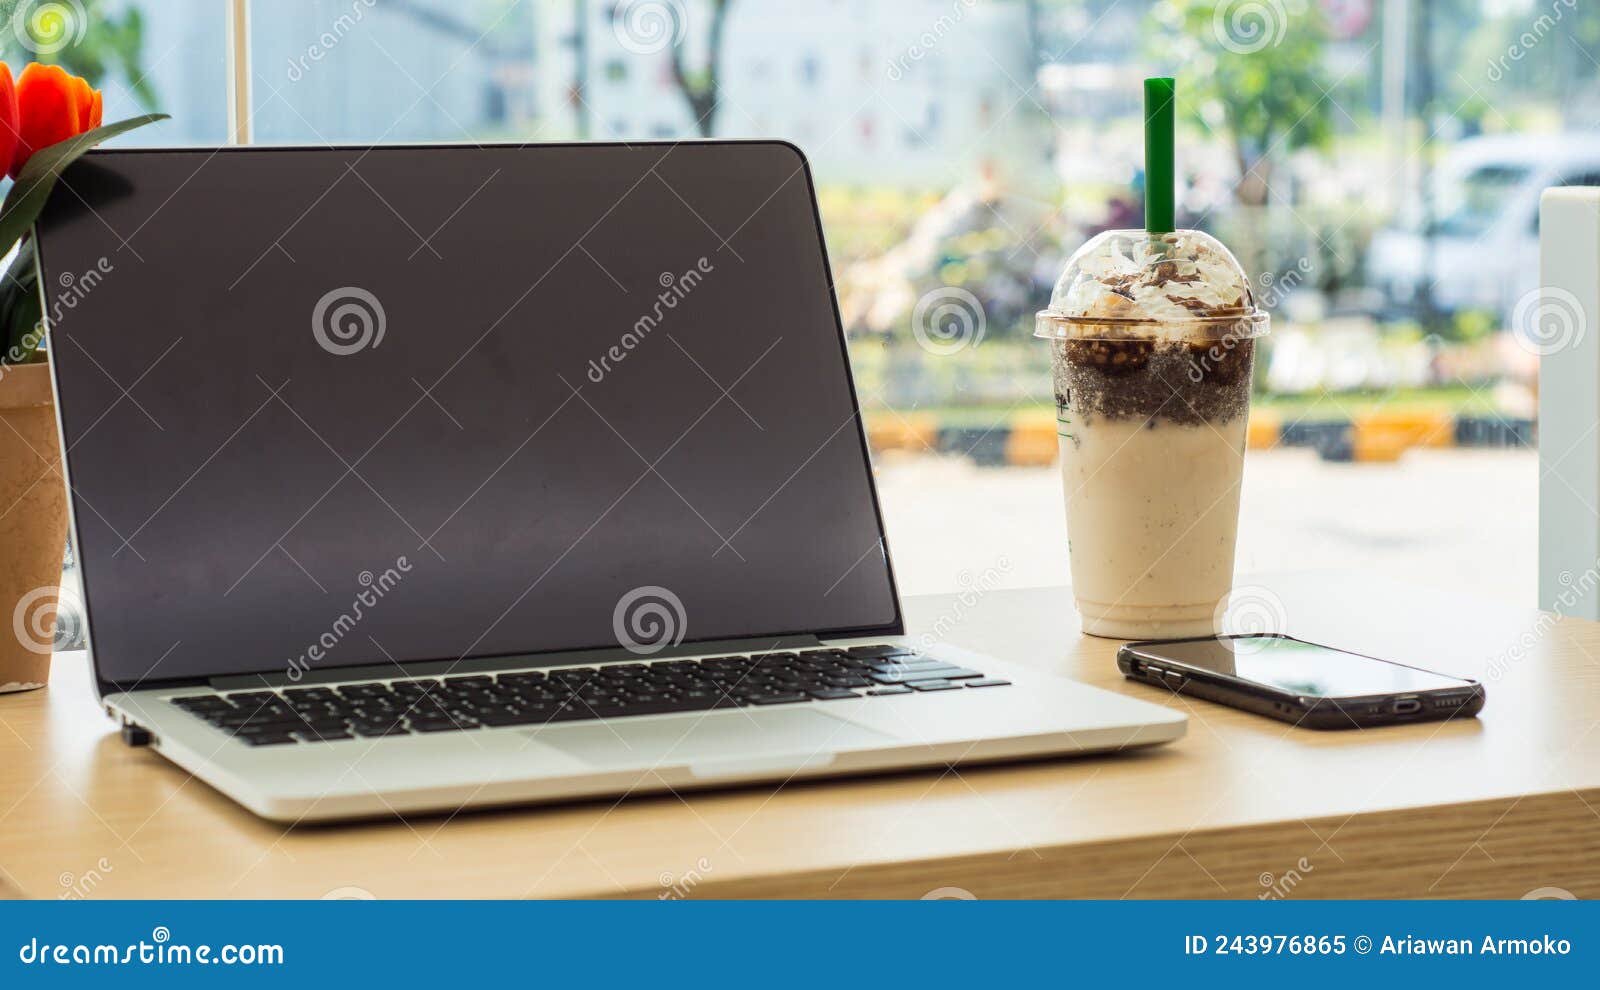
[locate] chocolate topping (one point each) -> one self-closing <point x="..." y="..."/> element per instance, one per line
<point x="1186" y="383"/>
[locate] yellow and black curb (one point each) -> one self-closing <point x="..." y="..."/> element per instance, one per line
<point x="1029" y="439"/>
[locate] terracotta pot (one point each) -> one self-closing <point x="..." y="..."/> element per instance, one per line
<point x="33" y="525"/>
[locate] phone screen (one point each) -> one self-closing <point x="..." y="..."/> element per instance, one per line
<point x="1301" y="668"/>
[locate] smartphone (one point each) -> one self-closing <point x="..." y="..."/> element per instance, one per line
<point x="1289" y="679"/>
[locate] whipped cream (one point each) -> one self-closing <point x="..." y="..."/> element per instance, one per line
<point x="1165" y="278"/>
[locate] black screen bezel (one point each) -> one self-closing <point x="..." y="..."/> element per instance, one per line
<point x="108" y="155"/>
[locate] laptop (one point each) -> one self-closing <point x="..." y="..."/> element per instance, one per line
<point x="406" y="479"/>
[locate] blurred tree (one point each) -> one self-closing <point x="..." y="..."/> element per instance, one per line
<point x="1251" y="73"/>
<point x="700" y="86"/>
<point x="105" y="40"/>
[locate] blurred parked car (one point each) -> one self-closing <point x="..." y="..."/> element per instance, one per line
<point x="1485" y="228"/>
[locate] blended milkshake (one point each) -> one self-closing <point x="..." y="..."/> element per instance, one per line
<point x="1153" y="345"/>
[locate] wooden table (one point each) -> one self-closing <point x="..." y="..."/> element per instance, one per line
<point x="1242" y="807"/>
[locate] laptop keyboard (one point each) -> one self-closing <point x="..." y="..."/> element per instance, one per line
<point x="567" y="694"/>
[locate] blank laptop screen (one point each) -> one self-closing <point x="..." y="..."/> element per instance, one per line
<point x="353" y="406"/>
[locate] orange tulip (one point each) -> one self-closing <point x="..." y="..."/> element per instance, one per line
<point x="8" y="116"/>
<point x="51" y="107"/>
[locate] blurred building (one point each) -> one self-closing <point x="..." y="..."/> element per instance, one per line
<point x="448" y="74"/>
<point x="875" y="91"/>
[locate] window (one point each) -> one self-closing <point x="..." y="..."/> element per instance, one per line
<point x="171" y="57"/>
<point x="975" y="153"/>
<point x="810" y="70"/>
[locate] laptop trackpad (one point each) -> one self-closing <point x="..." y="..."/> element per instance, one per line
<point x="724" y="744"/>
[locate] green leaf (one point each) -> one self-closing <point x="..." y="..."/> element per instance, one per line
<point x="38" y="178"/>
<point x="20" y="306"/>
<point x="25" y="332"/>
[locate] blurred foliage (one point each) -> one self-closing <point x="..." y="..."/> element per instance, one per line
<point x="106" y="40"/>
<point x="1257" y="78"/>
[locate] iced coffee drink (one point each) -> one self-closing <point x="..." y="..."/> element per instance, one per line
<point x="1152" y="335"/>
<point x="1152" y="343"/>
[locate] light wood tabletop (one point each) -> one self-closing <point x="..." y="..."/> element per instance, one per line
<point x="1503" y="806"/>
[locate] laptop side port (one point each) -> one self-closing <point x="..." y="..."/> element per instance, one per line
<point x="136" y="735"/>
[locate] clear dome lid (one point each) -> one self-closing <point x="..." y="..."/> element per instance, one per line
<point x="1133" y="283"/>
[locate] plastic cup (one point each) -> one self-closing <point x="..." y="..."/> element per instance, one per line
<point x="1152" y="339"/>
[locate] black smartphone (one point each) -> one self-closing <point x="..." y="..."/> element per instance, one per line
<point x="1286" y="678"/>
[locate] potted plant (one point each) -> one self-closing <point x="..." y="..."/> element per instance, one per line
<point x="48" y="118"/>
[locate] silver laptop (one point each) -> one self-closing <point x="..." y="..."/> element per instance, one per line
<point x="406" y="479"/>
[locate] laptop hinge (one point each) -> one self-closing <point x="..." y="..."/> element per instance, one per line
<point x="481" y="665"/>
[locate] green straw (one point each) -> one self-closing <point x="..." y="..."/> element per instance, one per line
<point x="1158" y="155"/>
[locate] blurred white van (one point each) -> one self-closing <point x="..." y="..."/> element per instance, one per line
<point x="1485" y="224"/>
